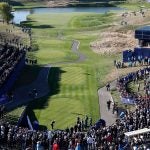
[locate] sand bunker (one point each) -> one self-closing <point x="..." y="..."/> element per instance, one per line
<point x="114" y="41"/>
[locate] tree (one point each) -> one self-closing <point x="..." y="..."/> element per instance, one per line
<point x="5" y="10"/>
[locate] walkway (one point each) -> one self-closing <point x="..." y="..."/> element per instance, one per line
<point x="75" y="47"/>
<point x="104" y="96"/>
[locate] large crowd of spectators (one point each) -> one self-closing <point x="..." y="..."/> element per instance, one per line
<point x="85" y="135"/>
<point x="9" y="58"/>
<point x="133" y="61"/>
<point x="81" y="137"/>
<point x="142" y="74"/>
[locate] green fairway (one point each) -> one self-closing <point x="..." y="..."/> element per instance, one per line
<point x="73" y="86"/>
<point x="134" y="5"/>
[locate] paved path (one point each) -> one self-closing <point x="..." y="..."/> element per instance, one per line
<point x="104" y="96"/>
<point x="75" y="47"/>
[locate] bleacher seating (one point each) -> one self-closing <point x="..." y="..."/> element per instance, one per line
<point x="10" y="57"/>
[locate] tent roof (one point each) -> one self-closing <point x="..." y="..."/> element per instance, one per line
<point x="146" y="28"/>
<point x="143" y="33"/>
<point x="136" y="132"/>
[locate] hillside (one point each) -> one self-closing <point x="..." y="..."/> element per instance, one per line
<point x="62" y="3"/>
<point x="68" y="3"/>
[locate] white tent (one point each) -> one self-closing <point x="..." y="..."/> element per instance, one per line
<point x="137" y="132"/>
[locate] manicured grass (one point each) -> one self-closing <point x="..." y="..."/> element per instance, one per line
<point x="73" y="87"/>
<point x="96" y="20"/>
<point x="71" y="95"/>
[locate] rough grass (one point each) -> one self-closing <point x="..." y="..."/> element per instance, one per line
<point x="134" y="5"/>
<point x="133" y="87"/>
<point x="117" y="99"/>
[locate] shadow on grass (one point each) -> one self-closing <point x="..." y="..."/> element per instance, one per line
<point x="30" y="23"/>
<point x="87" y="3"/>
<point x="42" y="26"/>
<point x="42" y="103"/>
<point x="27" y="76"/>
<point x="78" y="114"/>
<point x="15" y="3"/>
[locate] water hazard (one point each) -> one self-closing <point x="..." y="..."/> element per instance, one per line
<point x="21" y="14"/>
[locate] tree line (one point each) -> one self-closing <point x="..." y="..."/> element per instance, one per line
<point x="5" y="12"/>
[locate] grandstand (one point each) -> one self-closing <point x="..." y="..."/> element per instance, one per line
<point x="12" y="60"/>
<point x="143" y="49"/>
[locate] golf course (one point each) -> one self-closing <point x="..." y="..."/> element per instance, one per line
<point x="73" y="80"/>
<point x="73" y="85"/>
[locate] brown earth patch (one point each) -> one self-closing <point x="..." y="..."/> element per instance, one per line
<point x="112" y="42"/>
<point x="121" y="36"/>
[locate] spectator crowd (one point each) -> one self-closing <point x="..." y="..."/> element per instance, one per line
<point x="142" y="74"/>
<point x="85" y="135"/>
<point x="9" y="58"/>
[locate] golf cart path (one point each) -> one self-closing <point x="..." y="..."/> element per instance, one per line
<point x="104" y="96"/>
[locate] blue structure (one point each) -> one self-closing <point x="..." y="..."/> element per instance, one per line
<point x="143" y="50"/>
<point x="143" y="33"/>
<point x="6" y="87"/>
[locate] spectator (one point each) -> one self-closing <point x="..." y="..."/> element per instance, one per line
<point x="108" y="86"/>
<point x="52" y="124"/>
<point x="108" y="104"/>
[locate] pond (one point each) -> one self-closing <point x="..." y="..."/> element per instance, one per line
<point x="21" y="14"/>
